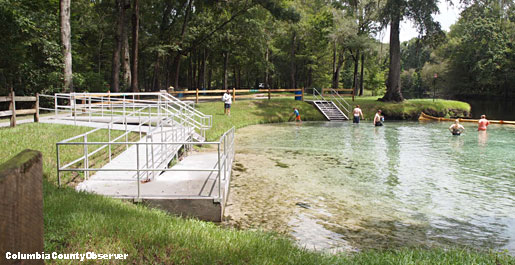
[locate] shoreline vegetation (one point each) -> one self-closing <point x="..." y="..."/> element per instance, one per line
<point x="82" y="222"/>
<point x="249" y="112"/>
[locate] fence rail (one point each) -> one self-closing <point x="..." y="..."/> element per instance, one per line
<point x="198" y="94"/>
<point x="12" y="112"/>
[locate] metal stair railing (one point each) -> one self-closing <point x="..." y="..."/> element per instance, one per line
<point x="95" y="104"/>
<point x="198" y="120"/>
<point x="338" y="99"/>
<point x="335" y="96"/>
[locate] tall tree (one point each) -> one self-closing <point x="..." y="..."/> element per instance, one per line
<point x="419" y="11"/>
<point x="66" y="44"/>
<point x="118" y="37"/>
<point x="135" y="45"/>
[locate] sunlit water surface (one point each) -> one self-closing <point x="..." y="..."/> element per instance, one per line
<point x="345" y="187"/>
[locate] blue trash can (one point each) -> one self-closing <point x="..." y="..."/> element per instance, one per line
<point x="180" y="95"/>
<point x="300" y="95"/>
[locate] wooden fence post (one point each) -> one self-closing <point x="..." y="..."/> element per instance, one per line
<point x="12" y="108"/>
<point x="21" y="207"/>
<point x="268" y="92"/>
<point x="233" y="94"/>
<point x="353" y="94"/>
<point x="196" y="96"/>
<point x="302" y="95"/>
<point x="36" y="108"/>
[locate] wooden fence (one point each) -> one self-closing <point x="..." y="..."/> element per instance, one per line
<point x="12" y="112"/>
<point x="243" y="93"/>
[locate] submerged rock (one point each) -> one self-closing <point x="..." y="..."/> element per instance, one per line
<point x="303" y="205"/>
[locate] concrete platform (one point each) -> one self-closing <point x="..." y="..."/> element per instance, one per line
<point x="188" y="193"/>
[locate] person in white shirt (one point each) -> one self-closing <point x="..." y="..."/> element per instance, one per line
<point x="227" y="99"/>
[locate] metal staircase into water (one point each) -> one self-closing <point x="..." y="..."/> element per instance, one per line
<point x="331" y="107"/>
<point x="330" y="110"/>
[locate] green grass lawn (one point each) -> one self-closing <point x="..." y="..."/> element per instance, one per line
<point x="81" y="222"/>
<point x="249" y="112"/>
<point x="409" y="109"/>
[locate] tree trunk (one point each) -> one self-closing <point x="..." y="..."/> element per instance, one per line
<point x="226" y="62"/>
<point x="155" y="77"/>
<point x="292" y="61"/>
<point x="266" y="67"/>
<point x="115" y="69"/>
<point x="336" y="73"/>
<point x="126" y="60"/>
<point x="238" y="83"/>
<point x="177" y="59"/>
<point x="135" y="43"/>
<point x="361" y="74"/>
<point x="204" y="69"/>
<point x="67" y="44"/>
<point x="201" y="69"/>
<point x="393" y="84"/>
<point x="209" y="78"/>
<point x="355" y="82"/>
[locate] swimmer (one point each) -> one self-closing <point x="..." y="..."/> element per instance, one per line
<point x="483" y="123"/>
<point x="357" y="113"/>
<point x="456" y="128"/>
<point x="378" y="119"/>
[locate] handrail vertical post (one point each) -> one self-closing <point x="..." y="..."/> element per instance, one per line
<point x="146" y="152"/>
<point x="225" y="157"/>
<point x="137" y="168"/>
<point x="109" y="134"/>
<point x="55" y="104"/>
<point x="86" y="160"/>
<point x="125" y="121"/>
<point x="219" y="173"/>
<point x="58" y="166"/>
<point x="89" y="108"/>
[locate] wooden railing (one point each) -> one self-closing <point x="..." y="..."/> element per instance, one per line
<point x="243" y="93"/>
<point x="12" y="112"/>
<point x="349" y="92"/>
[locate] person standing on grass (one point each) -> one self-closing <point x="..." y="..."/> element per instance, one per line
<point x="482" y="123"/>
<point x="227" y="99"/>
<point x="357" y="113"/>
<point x="378" y="119"/>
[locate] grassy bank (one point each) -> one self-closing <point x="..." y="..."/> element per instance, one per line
<point x="410" y="109"/>
<point x="248" y="112"/>
<point x="81" y="222"/>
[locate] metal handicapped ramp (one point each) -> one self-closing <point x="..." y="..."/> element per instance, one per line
<point x="153" y="129"/>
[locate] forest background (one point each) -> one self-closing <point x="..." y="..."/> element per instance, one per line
<point x="133" y="45"/>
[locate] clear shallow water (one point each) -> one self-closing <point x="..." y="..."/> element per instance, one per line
<point x="405" y="184"/>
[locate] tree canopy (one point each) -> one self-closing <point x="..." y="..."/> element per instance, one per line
<point x="131" y="45"/>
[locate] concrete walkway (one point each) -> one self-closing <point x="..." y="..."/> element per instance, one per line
<point x="168" y="185"/>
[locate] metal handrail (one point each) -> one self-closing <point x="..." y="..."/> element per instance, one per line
<point x="225" y="148"/>
<point x="340" y="99"/>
